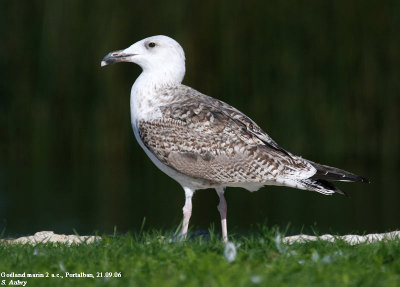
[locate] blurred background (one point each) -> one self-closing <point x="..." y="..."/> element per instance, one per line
<point x="323" y="79"/>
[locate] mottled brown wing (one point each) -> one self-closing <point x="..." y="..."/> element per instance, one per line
<point x="201" y="138"/>
<point x="243" y="120"/>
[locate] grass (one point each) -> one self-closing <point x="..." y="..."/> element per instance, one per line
<point x="155" y="259"/>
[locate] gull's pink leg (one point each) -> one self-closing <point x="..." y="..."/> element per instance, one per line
<point x="187" y="211"/>
<point x="222" y="208"/>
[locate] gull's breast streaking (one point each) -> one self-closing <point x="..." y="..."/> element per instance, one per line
<point x="202" y="142"/>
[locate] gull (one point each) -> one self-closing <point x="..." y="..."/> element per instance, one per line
<point x="202" y="142"/>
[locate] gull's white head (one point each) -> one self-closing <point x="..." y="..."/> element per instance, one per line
<point x="158" y="56"/>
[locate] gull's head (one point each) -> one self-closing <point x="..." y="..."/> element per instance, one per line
<point x="158" y="55"/>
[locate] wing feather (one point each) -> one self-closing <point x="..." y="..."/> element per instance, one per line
<point x="205" y="138"/>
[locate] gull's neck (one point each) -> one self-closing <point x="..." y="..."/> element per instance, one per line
<point x="147" y="96"/>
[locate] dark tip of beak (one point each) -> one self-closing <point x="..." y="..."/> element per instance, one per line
<point x="115" y="57"/>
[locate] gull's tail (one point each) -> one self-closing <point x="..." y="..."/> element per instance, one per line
<point x="319" y="182"/>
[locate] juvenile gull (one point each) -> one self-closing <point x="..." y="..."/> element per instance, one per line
<point x="202" y="142"/>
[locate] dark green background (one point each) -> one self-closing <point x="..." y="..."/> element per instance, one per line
<point x="321" y="77"/>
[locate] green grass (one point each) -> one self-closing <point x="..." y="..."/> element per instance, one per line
<point x="155" y="259"/>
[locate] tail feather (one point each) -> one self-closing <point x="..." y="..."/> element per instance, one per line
<point x="321" y="186"/>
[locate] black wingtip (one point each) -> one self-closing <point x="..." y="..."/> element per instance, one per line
<point x="364" y="179"/>
<point x="332" y="173"/>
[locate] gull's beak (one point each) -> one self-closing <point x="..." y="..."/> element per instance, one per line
<point x="116" y="57"/>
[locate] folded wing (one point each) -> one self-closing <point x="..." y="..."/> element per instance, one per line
<point x="205" y="138"/>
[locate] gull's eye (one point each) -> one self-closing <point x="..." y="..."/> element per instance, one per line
<point x="152" y="44"/>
